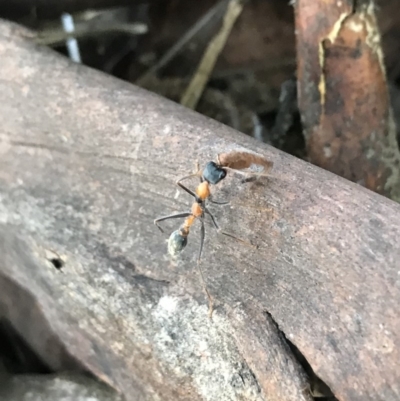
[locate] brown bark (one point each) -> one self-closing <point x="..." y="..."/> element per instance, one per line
<point x="343" y="95"/>
<point x="87" y="162"/>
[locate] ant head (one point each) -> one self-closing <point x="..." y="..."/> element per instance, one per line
<point x="213" y="173"/>
<point x="176" y="243"/>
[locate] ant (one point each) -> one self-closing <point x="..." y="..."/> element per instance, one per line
<point x="212" y="174"/>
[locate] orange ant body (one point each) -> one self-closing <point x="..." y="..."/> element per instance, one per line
<point x="197" y="212"/>
<point x="212" y="174"/>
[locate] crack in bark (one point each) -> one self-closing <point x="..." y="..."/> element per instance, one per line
<point x="318" y="389"/>
<point x="67" y="151"/>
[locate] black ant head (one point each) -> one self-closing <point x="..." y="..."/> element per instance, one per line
<point x="213" y="173"/>
<point x="176" y="242"/>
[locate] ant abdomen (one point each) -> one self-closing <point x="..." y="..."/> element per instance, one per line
<point x="176" y="243"/>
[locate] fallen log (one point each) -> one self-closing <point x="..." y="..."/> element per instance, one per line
<point x="343" y="93"/>
<point x="86" y="164"/>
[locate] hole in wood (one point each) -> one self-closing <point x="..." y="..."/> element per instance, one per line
<point x="57" y="263"/>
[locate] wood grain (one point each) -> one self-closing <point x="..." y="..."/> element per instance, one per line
<point x="87" y="162"/>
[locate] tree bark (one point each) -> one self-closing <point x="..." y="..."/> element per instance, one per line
<point x="343" y="93"/>
<point x="88" y="161"/>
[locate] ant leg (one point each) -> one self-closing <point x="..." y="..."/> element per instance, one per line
<point x="171" y="216"/>
<point x="196" y="174"/>
<point x="226" y="233"/>
<point x="256" y="174"/>
<point x="212" y="219"/>
<point x="186" y="177"/>
<point x="210" y="300"/>
<point x="197" y="167"/>
<point x="202" y="236"/>
<point x="190" y="192"/>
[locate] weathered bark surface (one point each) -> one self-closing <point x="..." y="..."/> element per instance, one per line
<point x="63" y="387"/>
<point x="87" y="162"/>
<point x="343" y="96"/>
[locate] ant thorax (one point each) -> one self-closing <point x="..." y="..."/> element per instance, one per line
<point x="213" y="173"/>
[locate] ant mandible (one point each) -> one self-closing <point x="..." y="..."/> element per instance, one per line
<point x="212" y="174"/>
